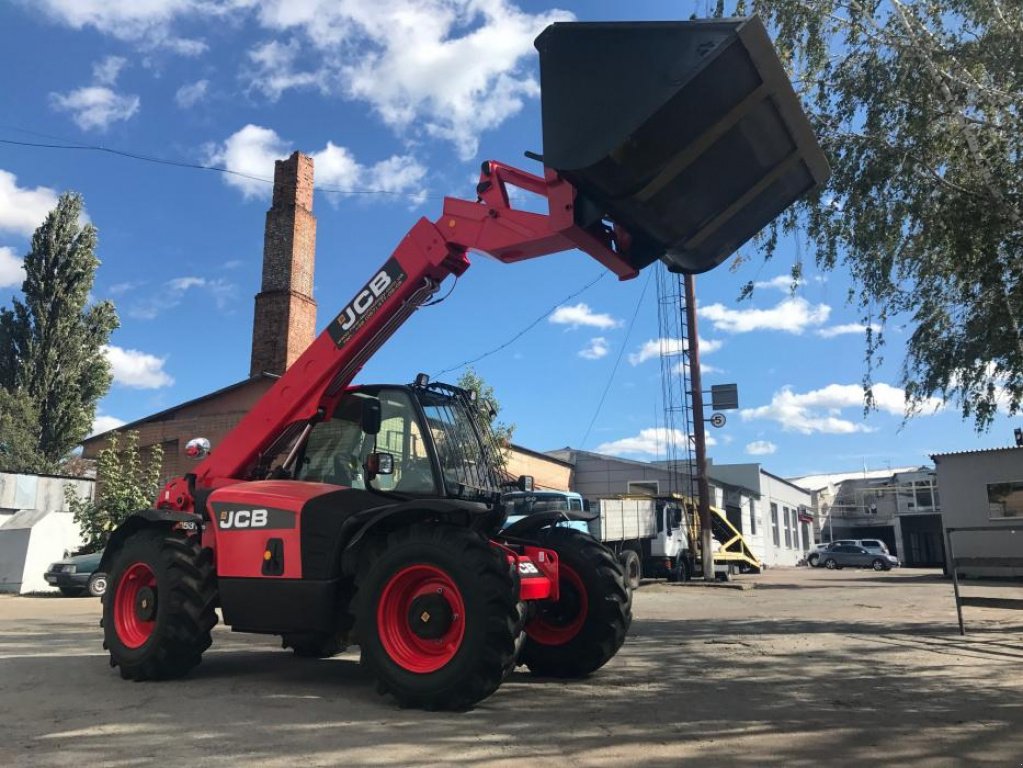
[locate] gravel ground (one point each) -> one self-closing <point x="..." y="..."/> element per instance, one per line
<point x="808" y="667"/>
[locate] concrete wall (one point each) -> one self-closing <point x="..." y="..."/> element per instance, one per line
<point x="29" y="541"/>
<point x="963" y="479"/>
<point x="44" y="492"/>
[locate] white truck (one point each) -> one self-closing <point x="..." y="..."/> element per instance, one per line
<point x="654" y="537"/>
<point x="650" y="537"/>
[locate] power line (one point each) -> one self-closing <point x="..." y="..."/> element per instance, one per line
<point x="614" y="370"/>
<point x="523" y="332"/>
<point x="67" y="145"/>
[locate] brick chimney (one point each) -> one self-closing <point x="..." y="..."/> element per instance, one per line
<point x="285" y="319"/>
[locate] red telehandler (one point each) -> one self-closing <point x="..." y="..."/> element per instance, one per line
<point x="370" y="515"/>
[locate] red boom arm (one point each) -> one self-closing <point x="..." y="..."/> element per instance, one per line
<point x="430" y="252"/>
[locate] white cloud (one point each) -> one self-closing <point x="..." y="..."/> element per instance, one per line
<point x="705" y="368"/>
<point x="190" y="94"/>
<point x="107" y="70"/>
<point x="411" y="65"/>
<point x="832" y="331"/>
<point x="173" y="292"/>
<point x="22" y="210"/>
<point x="12" y="270"/>
<point x="791" y="315"/>
<point x="820" y="410"/>
<point x="182" y="284"/>
<point x="273" y="70"/>
<point x="144" y="21"/>
<point x="95" y="106"/>
<point x="650" y="442"/>
<point x="120" y="288"/>
<point x="400" y="175"/>
<point x="104" y="423"/>
<point x="780" y="282"/>
<point x="657" y="347"/>
<point x="761" y="448"/>
<point x="135" y="369"/>
<point x="448" y="69"/>
<point x="252" y="151"/>
<point x="596" y="349"/>
<point x="580" y="314"/>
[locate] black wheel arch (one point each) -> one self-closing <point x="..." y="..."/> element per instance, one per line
<point x="379" y="522"/>
<point x="135" y="522"/>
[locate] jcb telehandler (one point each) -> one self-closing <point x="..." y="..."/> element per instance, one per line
<point x="370" y="515"/>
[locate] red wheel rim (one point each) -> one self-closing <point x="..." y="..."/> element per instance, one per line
<point x="407" y="649"/>
<point x="558" y="623"/>
<point x="132" y="630"/>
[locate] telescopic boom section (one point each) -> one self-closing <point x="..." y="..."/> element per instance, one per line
<point x="429" y="253"/>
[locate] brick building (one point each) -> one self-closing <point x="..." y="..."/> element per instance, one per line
<point x="284" y="324"/>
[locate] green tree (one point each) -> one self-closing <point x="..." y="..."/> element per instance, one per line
<point x="51" y="343"/>
<point x="919" y="107"/>
<point x="470" y="380"/>
<point x="19" y="434"/>
<point x="125" y="483"/>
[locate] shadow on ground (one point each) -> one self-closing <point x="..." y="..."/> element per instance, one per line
<point x="707" y="692"/>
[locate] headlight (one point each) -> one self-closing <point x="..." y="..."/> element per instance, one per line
<point x="70" y="568"/>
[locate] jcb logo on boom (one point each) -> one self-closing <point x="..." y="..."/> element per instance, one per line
<point x="244" y="518"/>
<point x="361" y="304"/>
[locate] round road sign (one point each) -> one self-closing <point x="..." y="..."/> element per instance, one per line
<point x="717" y="420"/>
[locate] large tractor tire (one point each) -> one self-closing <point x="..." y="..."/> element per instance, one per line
<point x="160" y="605"/>
<point x="584" y="629"/>
<point x="632" y="565"/>
<point x="437" y="617"/>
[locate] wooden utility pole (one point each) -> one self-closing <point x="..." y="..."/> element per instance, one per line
<point x="699" y="434"/>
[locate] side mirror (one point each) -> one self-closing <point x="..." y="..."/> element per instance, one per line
<point x="371" y="416"/>
<point x="378" y="464"/>
<point x="197" y="448"/>
<point x="525" y="483"/>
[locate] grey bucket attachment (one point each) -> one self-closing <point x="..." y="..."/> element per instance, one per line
<point x="688" y="135"/>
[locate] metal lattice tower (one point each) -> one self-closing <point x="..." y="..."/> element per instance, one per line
<point x="676" y="384"/>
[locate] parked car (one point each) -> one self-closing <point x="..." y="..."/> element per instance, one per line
<point x="813" y="557"/>
<point x="78" y="575"/>
<point x="850" y="555"/>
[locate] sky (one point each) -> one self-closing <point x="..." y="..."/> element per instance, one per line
<point x="398" y="102"/>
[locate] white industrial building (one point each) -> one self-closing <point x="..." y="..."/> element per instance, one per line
<point x="36" y="527"/>
<point x="773" y="514"/>
<point x="983" y="489"/>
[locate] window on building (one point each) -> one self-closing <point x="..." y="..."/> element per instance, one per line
<point x="644" y="487"/>
<point x="1005" y="499"/>
<point x="793" y="518"/>
<point x="924" y="497"/>
<point x="774" y="524"/>
<point x="788" y="529"/>
<point x="752" y="517"/>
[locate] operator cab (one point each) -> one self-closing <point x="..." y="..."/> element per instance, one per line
<point x="436" y="444"/>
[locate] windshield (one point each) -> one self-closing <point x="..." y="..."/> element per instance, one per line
<point x="466" y="463"/>
<point x="531" y="503"/>
<point x="337" y="448"/>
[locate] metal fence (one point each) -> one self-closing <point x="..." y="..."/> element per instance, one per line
<point x="980" y="562"/>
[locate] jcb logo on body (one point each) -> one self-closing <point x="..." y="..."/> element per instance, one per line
<point x="244" y="518"/>
<point x="366" y="302"/>
<point x="361" y="304"/>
